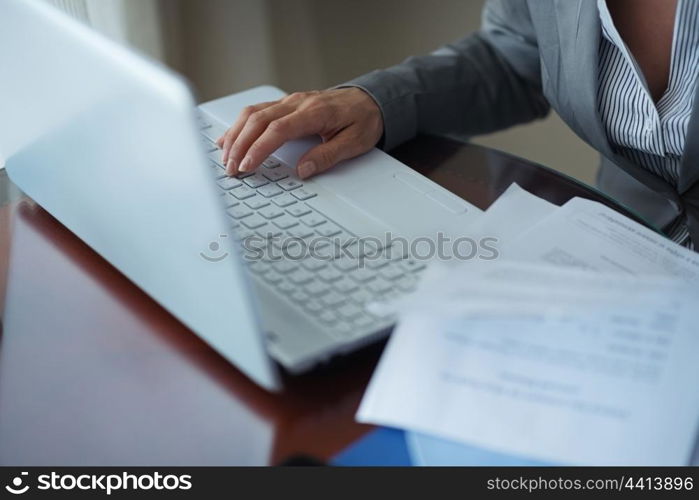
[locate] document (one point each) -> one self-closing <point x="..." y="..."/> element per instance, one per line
<point x="515" y="211"/>
<point x="552" y="364"/>
<point x="588" y="235"/>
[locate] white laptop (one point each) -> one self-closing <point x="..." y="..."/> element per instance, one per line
<point x="269" y="270"/>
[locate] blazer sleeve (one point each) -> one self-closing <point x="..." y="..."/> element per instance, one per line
<point x="487" y="81"/>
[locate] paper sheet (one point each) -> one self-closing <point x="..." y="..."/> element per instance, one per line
<point x="588" y="235"/>
<point x="515" y="211"/>
<point x="611" y="383"/>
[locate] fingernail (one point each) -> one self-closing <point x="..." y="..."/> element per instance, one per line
<point x="245" y="165"/>
<point x="307" y="169"/>
<point x="231" y="167"/>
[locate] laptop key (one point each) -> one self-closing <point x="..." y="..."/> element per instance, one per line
<point x="303" y="194"/>
<point x="258" y="267"/>
<point x="313" y="220"/>
<point x="345" y="240"/>
<point x="384" y="311"/>
<point x="208" y="133"/>
<point x="271" y="163"/>
<point x="363" y="321"/>
<point x="332" y="299"/>
<point x="256" y="202"/>
<point x="271" y="212"/>
<point x="286" y="287"/>
<point x="268" y="231"/>
<point x="391" y="273"/>
<point x="285" y="222"/>
<point x="407" y="283"/>
<point x="273" y="277"/>
<point x="255" y="181"/>
<point x="379" y="286"/>
<point x="253" y="222"/>
<point x="284" y="200"/>
<point x="329" y="274"/>
<point x="350" y="311"/>
<point x="328" y="317"/>
<point x="228" y="183"/>
<point x="360" y="275"/>
<point x="316" y="288"/>
<point x="313" y="306"/>
<point x="269" y="190"/>
<point x="229" y="201"/>
<point x="298" y="210"/>
<point x="345" y="285"/>
<point x="343" y="329"/>
<point x="300" y="232"/>
<point x="243" y="192"/>
<point x="361" y="296"/>
<point x="323" y="249"/>
<point x="285" y="266"/>
<point x="289" y="184"/>
<point x="346" y="264"/>
<point x="243" y="175"/>
<point x="275" y="175"/>
<point x="239" y="212"/>
<point x="314" y="264"/>
<point x="412" y="265"/>
<point x="328" y="230"/>
<point x="299" y="296"/>
<point x="300" y="277"/>
<point x="215" y="156"/>
<point x="374" y="262"/>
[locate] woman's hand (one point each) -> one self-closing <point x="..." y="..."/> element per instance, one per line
<point x="348" y="120"/>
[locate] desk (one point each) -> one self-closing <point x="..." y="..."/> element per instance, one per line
<point x="94" y="372"/>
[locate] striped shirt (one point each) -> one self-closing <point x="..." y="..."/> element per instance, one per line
<point x="651" y="135"/>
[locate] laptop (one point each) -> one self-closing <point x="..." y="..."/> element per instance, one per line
<point x="271" y="271"/>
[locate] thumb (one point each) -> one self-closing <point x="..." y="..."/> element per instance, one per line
<point x="343" y="145"/>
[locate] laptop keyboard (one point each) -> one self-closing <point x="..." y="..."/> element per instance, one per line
<point x="309" y="259"/>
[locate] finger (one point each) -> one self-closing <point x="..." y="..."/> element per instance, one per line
<point x="254" y="127"/>
<point x="226" y="141"/>
<point x="344" y="145"/>
<point x="292" y="126"/>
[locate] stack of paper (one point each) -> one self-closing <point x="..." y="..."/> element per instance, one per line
<point x="578" y="347"/>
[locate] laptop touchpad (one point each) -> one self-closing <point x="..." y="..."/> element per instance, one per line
<point x="409" y="203"/>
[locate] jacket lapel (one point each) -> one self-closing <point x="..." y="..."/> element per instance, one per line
<point x="579" y="29"/>
<point x="579" y="32"/>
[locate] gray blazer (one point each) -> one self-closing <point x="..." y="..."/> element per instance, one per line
<point x="529" y="56"/>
